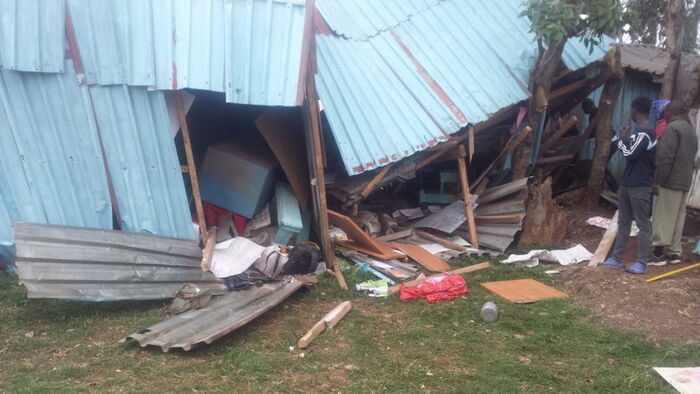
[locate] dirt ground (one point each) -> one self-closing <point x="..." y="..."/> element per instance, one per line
<point x="667" y="309"/>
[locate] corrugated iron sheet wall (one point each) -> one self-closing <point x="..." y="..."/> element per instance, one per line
<point x="250" y="49"/>
<point x="51" y="169"/>
<point x="143" y="162"/>
<point x="451" y="62"/>
<point x="32" y="33"/>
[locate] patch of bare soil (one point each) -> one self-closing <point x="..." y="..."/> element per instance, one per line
<point x="666" y="309"/>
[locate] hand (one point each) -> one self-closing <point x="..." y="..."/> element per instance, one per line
<point x="624" y="131"/>
<point x="655" y="190"/>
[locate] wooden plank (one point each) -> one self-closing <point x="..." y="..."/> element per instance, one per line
<point x="466" y="196"/>
<point x="192" y="169"/>
<point x="442" y="241"/>
<point x="327" y="322"/>
<point x="514" y="141"/>
<point x="523" y="291"/>
<point x="281" y="131"/>
<point x="423" y="257"/>
<point x="555" y="159"/>
<point x="396" y="235"/>
<point x="499" y="219"/>
<point x="498" y="192"/>
<point x="459" y="271"/>
<point x="558" y="134"/>
<point x="472" y="144"/>
<point x="601" y="253"/>
<point x="208" y="253"/>
<point x="319" y="180"/>
<point x="360" y="240"/>
<point x="375" y="181"/>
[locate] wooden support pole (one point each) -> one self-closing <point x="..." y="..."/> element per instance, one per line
<point x="459" y="271"/>
<point x="320" y="181"/>
<point x="192" y="169"/>
<point x="466" y="196"/>
<point x="327" y="322"/>
<point x="514" y="141"/>
<point x="375" y="181"/>
<point x="558" y="134"/>
<point x="471" y="144"/>
<point x="208" y="253"/>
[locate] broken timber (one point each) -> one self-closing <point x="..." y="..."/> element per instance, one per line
<point x="466" y="196"/>
<point x="327" y="322"/>
<point x="191" y="168"/>
<point x="606" y="243"/>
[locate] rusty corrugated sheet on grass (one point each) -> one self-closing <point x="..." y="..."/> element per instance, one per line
<point x="74" y="263"/>
<point x="222" y="316"/>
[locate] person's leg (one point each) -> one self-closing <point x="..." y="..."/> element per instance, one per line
<point x="665" y="217"/>
<point x="676" y="248"/>
<point x="624" y="224"/>
<point x="640" y="198"/>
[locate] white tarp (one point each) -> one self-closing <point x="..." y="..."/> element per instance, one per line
<point x="234" y="256"/>
<point x="569" y="256"/>
<point x="685" y="380"/>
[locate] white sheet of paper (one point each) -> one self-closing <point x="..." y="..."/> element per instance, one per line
<point x="233" y="256"/>
<point x="685" y="380"/>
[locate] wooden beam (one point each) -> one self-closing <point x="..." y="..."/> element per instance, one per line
<point x="499" y="219"/>
<point x="375" y="181"/>
<point x="558" y="134"/>
<point x="396" y="235"/>
<point x="442" y="241"/>
<point x="555" y="159"/>
<point x="320" y="181"/>
<point x="192" y="169"/>
<point x="466" y="196"/>
<point x="327" y="322"/>
<point x="472" y="144"/>
<point x="208" y="253"/>
<point x="460" y="271"/>
<point x="514" y="141"/>
<point x="601" y="253"/>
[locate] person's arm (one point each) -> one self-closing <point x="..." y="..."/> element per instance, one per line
<point x="635" y="144"/>
<point x="666" y="155"/>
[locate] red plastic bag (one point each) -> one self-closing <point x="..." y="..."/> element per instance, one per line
<point x="440" y="288"/>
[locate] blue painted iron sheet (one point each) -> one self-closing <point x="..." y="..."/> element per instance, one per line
<point x="250" y="49"/>
<point x="32" y="35"/>
<point x="411" y="82"/>
<point x="143" y="162"/>
<point x="362" y="19"/>
<point x="51" y="170"/>
<point x="264" y="51"/>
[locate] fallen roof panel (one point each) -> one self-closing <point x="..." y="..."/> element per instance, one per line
<point x="222" y="316"/>
<point x="423" y="74"/>
<point x="84" y="264"/>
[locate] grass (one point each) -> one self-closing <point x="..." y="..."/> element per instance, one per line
<point x="383" y="345"/>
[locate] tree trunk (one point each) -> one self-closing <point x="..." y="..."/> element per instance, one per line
<point x="691" y="96"/>
<point x="674" y="38"/>
<point x="542" y="76"/>
<point x="603" y="129"/>
<point x="690" y="30"/>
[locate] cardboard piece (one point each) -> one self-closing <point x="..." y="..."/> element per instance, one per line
<point x="522" y="291"/>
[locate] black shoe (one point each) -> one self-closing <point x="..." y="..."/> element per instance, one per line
<point x="674" y="259"/>
<point x="658" y="259"/>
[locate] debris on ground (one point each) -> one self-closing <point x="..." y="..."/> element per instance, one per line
<point x="685" y="380"/>
<point x="573" y="255"/>
<point x="326" y="323"/>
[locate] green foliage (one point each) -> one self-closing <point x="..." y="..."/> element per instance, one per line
<point x="556" y="21"/>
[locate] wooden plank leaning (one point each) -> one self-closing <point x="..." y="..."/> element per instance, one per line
<point x="606" y="243"/>
<point x="327" y="322"/>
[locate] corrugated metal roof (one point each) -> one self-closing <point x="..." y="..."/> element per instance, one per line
<point x="646" y="58"/>
<point x="104" y="265"/>
<point x="51" y="170"/>
<point x="143" y="161"/>
<point x="250" y="49"/>
<point x="32" y="35"/>
<point x="447" y="65"/>
<point x="378" y="16"/>
<point x="222" y="316"/>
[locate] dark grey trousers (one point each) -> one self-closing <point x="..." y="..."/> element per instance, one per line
<point x="635" y="203"/>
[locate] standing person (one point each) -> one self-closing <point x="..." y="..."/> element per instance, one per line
<point x="639" y="150"/>
<point x="675" y="163"/>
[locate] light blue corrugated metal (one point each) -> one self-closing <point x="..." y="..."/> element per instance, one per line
<point x="342" y="16"/>
<point x="143" y="162"/>
<point x="32" y="35"/>
<point x="455" y="62"/>
<point x="250" y="49"/>
<point x="264" y="51"/>
<point x="51" y="170"/>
